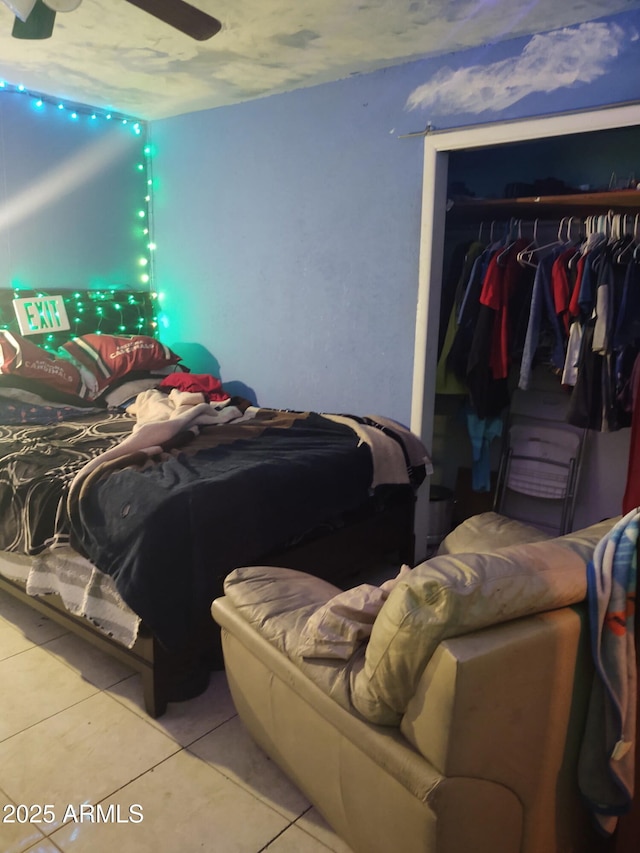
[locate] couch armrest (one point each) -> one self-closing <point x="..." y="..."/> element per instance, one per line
<point x="277" y="601"/>
<point x="268" y="591"/>
<point x="508" y="704"/>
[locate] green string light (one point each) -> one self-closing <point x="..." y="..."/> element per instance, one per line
<point x="116" y="312"/>
<point x="73" y="110"/>
<point x="124" y="312"/>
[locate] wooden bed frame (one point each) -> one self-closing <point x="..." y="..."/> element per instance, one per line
<point x="366" y="538"/>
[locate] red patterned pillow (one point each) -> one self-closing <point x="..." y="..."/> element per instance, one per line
<point x="112" y="357"/>
<point x="25" y="360"/>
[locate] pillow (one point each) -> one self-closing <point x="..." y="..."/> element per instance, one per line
<point x="32" y="393"/>
<point x="450" y="595"/>
<point x="488" y="531"/>
<point x="112" y="357"/>
<point x="22" y="359"/>
<point x="337" y="628"/>
<point x="124" y="392"/>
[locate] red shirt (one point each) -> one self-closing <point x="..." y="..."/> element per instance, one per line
<point x="561" y="287"/>
<point x="502" y="275"/>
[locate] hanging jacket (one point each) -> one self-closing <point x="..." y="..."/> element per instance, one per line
<point x="544" y="326"/>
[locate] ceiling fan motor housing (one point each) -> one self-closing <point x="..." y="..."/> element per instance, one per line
<point x="63" y="5"/>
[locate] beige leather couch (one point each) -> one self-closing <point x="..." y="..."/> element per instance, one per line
<point x="455" y="727"/>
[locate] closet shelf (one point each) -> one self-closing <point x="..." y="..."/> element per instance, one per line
<point x="552" y="206"/>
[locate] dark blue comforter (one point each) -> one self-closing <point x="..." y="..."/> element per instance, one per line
<point x="169" y="528"/>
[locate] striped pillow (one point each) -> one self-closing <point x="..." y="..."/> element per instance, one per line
<point x="25" y="363"/>
<point x="112" y="357"/>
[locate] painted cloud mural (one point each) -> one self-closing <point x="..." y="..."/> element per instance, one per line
<point x="550" y="61"/>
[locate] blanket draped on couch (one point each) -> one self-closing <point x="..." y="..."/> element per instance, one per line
<point x="607" y="759"/>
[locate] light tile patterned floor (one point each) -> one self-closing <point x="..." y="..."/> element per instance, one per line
<point x="74" y="734"/>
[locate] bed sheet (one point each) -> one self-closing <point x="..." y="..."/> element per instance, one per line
<point x="37" y="465"/>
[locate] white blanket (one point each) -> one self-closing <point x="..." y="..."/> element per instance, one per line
<point x="189" y="407"/>
<point x="160" y="417"/>
<point x="390" y="465"/>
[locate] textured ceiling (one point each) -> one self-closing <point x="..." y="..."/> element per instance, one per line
<point x="108" y="53"/>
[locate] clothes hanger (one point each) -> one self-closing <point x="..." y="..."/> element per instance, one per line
<point x="636" y="237"/>
<point x="570" y="239"/>
<point x="597" y="229"/>
<point x="526" y="255"/>
<point x="627" y="241"/>
<point x="514" y="225"/>
<point x="493" y="239"/>
<point x="593" y="238"/>
<point x="577" y="242"/>
<point x="523" y="257"/>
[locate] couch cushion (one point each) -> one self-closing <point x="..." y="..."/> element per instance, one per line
<point x="452" y="595"/>
<point x="278" y="603"/>
<point x="337" y="628"/>
<point x="488" y="531"/>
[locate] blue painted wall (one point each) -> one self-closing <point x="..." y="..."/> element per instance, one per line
<point x="70" y="193"/>
<point x="288" y="227"/>
<point x="288" y="236"/>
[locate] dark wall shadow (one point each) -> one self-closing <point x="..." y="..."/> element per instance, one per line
<point x="199" y="360"/>
<point x="239" y="389"/>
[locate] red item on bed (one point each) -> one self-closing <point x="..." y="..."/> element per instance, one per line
<point x="206" y="384"/>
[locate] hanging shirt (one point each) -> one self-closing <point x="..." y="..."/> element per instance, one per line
<point x="482" y="431"/>
<point x="586" y="406"/>
<point x="562" y="285"/>
<point x="631" y="497"/>
<point x="504" y="275"/>
<point x="627" y="326"/>
<point x="447" y="380"/>
<point x="603" y="307"/>
<point x="589" y="282"/>
<point x="571" y="361"/>
<point x="458" y="356"/>
<point x="574" y="305"/>
<point x="542" y="317"/>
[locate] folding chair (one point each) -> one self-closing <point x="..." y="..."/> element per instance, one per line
<point x="541" y="461"/>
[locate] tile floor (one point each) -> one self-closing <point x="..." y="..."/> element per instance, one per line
<point x="74" y="736"/>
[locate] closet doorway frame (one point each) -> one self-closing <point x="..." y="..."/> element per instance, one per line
<point x="437" y="146"/>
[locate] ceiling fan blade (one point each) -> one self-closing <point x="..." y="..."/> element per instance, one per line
<point x="39" y="24"/>
<point x="181" y="16"/>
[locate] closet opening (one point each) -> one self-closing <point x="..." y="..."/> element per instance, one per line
<point x="472" y="178"/>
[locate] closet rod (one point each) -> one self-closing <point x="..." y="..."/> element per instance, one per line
<point x="550" y="207"/>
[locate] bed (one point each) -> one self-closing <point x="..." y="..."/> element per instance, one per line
<point x="130" y="486"/>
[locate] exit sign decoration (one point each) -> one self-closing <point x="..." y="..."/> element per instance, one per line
<point x="40" y="314"/>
